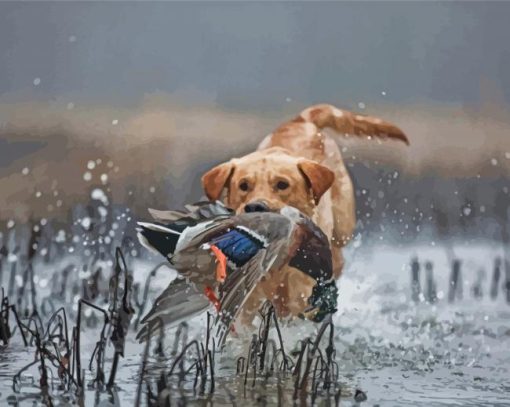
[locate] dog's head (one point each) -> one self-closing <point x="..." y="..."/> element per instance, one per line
<point x="268" y="180"/>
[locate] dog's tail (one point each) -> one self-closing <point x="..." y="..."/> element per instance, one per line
<point x="345" y="122"/>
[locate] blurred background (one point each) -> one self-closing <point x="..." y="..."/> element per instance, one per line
<point x="109" y="108"/>
<point x="140" y="99"/>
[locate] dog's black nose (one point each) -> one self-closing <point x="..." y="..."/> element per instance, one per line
<point x="257" y="206"/>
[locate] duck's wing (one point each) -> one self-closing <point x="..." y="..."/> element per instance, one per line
<point x="176" y="229"/>
<point x="180" y="301"/>
<point x="158" y="238"/>
<point x="238" y="235"/>
<point x="240" y="283"/>
<point x="195" y="212"/>
<point x="249" y="258"/>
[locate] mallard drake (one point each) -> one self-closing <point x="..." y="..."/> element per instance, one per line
<point x="220" y="257"/>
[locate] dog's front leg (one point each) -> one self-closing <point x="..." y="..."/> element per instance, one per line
<point x="338" y="261"/>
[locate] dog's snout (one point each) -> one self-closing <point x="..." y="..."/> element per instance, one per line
<point x="258" y="206"/>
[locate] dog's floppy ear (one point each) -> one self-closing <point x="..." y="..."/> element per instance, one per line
<point x="319" y="177"/>
<point x="214" y="180"/>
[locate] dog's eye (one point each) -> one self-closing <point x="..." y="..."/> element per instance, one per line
<point x="281" y="185"/>
<point x="243" y="186"/>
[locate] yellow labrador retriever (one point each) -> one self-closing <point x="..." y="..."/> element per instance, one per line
<point x="299" y="166"/>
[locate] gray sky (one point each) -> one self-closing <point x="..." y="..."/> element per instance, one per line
<point x="255" y="55"/>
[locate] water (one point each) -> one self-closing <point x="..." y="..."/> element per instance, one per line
<point x="396" y="351"/>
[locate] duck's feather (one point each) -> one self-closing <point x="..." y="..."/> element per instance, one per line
<point x="159" y="238"/>
<point x="238" y="245"/>
<point x="180" y="301"/>
<point x="239" y="285"/>
<point x="175" y="228"/>
<point x="194" y="213"/>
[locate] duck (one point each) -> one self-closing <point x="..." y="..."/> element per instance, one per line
<point x="220" y="256"/>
